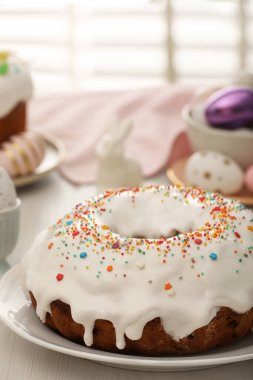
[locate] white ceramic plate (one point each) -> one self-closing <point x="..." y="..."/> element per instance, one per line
<point x="54" y="155"/>
<point x="17" y="313"/>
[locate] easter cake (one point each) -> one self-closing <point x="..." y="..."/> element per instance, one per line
<point x="21" y="151"/>
<point x="15" y="90"/>
<point x="149" y="271"/>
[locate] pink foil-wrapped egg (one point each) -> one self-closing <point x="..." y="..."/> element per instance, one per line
<point x="249" y="178"/>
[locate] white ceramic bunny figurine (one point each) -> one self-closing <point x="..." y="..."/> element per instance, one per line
<point x="116" y="170"/>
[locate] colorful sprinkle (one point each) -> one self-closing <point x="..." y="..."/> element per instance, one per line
<point x="213" y="256"/>
<point x="4" y="68"/>
<point x="59" y="277"/>
<point x="167" y="286"/>
<point x="4" y="55"/>
<point x="109" y="268"/>
<point x="83" y="255"/>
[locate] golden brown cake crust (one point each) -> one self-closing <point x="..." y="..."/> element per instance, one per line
<point x="225" y="328"/>
<point x="13" y="123"/>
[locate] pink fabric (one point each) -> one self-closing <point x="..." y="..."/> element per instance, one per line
<point x="157" y="138"/>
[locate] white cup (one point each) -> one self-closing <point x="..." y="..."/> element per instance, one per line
<point x="235" y="144"/>
<point x="9" y="229"/>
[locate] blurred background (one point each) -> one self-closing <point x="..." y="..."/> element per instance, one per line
<point x="118" y="44"/>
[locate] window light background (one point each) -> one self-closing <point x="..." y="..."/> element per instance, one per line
<point x="115" y="44"/>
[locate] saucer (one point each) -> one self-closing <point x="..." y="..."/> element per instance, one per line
<point x="175" y="173"/>
<point x="54" y="155"/>
<point x="17" y="313"/>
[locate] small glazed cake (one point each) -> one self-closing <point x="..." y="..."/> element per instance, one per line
<point x="22" y="153"/>
<point x="15" y="90"/>
<point x="153" y="271"/>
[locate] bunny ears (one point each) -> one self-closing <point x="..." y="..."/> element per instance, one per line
<point x="119" y="129"/>
<point x="113" y="139"/>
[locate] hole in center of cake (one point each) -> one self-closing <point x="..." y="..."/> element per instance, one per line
<point x="147" y="216"/>
<point x="171" y="233"/>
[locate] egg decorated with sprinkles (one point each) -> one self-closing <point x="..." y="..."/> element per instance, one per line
<point x="148" y="271"/>
<point x="214" y="171"/>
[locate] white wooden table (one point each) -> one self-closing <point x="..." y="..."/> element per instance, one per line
<point x="42" y="204"/>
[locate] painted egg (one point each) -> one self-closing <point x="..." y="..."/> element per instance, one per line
<point x="249" y="178"/>
<point x="22" y="154"/>
<point x="214" y="172"/>
<point x="230" y="108"/>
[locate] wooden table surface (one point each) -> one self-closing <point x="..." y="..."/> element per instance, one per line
<point x="42" y="204"/>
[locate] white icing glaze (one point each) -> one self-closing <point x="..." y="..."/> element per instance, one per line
<point x="131" y="281"/>
<point x="15" y="85"/>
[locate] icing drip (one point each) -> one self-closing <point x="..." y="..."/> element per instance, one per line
<point x="184" y="279"/>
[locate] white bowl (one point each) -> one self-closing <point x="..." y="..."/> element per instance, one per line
<point x="235" y="144"/>
<point x="9" y="229"/>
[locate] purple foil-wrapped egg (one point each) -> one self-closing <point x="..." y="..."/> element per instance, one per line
<point x="230" y="108"/>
